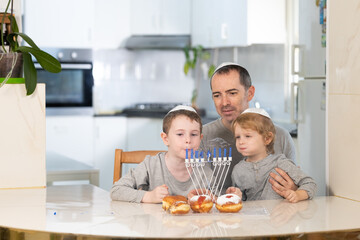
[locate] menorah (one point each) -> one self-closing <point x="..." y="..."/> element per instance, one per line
<point x="221" y="164"/>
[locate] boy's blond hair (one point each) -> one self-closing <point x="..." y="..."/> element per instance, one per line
<point x="174" y="114"/>
<point x="257" y="122"/>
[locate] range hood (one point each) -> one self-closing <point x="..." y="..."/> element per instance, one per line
<point x="157" y="41"/>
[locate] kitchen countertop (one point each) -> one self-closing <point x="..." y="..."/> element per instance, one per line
<point x="85" y="210"/>
<point x="62" y="168"/>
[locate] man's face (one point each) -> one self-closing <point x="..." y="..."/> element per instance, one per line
<point x="230" y="97"/>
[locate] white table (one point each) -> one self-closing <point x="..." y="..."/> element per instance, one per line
<point x="85" y="210"/>
<point x="62" y="168"/>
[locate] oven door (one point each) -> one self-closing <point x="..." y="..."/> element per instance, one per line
<point x="72" y="87"/>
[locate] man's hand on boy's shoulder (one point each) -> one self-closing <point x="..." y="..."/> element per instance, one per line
<point x="282" y="182"/>
<point x="156" y="195"/>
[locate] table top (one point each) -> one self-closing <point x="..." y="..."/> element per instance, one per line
<point x="88" y="210"/>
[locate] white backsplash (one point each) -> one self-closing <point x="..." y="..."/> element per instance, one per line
<point x="123" y="78"/>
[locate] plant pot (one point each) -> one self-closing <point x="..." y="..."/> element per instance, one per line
<point x="22" y="137"/>
<point x="11" y="63"/>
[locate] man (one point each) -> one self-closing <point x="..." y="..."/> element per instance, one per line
<point x="232" y="91"/>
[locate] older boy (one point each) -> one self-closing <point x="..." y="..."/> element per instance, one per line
<point x="166" y="173"/>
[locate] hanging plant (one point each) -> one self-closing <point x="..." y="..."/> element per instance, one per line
<point x="193" y="57"/>
<point x="13" y="38"/>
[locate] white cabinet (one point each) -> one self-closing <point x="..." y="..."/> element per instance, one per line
<point x="159" y="17"/>
<point x="71" y="136"/>
<point x="109" y="134"/>
<point x="111" y="23"/>
<point x="60" y="23"/>
<point x="237" y="22"/>
<point x="144" y="134"/>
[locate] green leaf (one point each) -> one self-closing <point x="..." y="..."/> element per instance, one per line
<point x="194" y="96"/>
<point x="29" y="74"/>
<point x="211" y="70"/>
<point x="14" y="25"/>
<point x="186" y="67"/>
<point x="47" y="62"/>
<point x="187" y="54"/>
<point x="26" y="39"/>
<point x="205" y="56"/>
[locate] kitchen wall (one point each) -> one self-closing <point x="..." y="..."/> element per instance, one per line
<point x="123" y="77"/>
<point x="343" y="115"/>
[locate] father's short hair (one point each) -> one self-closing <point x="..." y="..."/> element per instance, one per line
<point x="168" y="119"/>
<point x="226" y="67"/>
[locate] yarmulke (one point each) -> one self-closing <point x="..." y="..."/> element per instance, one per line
<point x="182" y="107"/>
<point x="258" y="111"/>
<point x="224" y="64"/>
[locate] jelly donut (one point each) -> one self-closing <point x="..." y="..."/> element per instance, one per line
<point x="229" y="203"/>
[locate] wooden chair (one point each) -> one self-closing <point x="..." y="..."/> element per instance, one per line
<point x="129" y="157"/>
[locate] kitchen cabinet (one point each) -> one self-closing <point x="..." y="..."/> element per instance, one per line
<point x="144" y="134"/>
<point x="71" y="136"/>
<point x="109" y="134"/>
<point x="237" y="22"/>
<point x="111" y="23"/>
<point x="60" y="23"/>
<point x="160" y="17"/>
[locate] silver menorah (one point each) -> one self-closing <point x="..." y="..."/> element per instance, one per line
<point x="220" y="165"/>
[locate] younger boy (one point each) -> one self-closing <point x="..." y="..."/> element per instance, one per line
<point x="254" y="133"/>
<point x="165" y="173"/>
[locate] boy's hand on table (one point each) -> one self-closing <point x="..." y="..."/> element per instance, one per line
<point x="234" y="190"/>
<point x="156" y="195"/>
<point x="296" y="196"/>
<point x="291" y="196"/>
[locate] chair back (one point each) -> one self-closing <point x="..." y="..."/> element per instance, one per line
<point x="129" y="157"/>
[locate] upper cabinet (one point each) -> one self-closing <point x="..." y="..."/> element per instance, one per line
<point x="238" y="22"/>
<point x="59" y="23"/>
<point x="111" y="23"/>
<point x="77" y="24"/>
<point x="160" y="17"/>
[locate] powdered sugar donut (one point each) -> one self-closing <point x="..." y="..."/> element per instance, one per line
<point x="229" y="203"/>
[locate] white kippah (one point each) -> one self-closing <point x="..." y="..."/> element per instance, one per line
<point x="258" y="111"/>
<point x="182" y="107"/>
<point x="224" y="64"/>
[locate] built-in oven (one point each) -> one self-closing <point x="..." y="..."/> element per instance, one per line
<point x="73" y="86"/>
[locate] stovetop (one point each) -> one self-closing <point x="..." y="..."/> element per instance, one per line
<point x="153" y="109"/>
<point x="155" y="106"/>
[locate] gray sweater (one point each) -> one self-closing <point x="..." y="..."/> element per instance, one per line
<point x="151" y="173"/>
<point x="253" y="177"/>
<point x="217" y="135"/>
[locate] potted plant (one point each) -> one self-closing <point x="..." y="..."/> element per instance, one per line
<point x="21" y="55"/>
<point x="194" y="56"/>
<point x="22" y="121"/>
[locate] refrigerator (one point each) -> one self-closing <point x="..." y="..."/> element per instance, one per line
<point x="310" y="106"/>
<point x="308" y="89"/>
